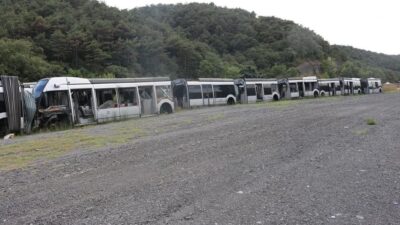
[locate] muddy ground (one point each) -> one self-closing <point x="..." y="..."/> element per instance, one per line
<point x="314" y="161"/>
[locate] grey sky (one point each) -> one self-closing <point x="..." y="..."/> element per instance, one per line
<point x="368" y="24"/>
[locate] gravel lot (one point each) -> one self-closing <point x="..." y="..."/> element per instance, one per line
<point x="314" y="161"/>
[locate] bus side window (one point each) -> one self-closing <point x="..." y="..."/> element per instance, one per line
<point x="106" y="98"/>
<point x="195" y="92"/>
<point x="267" y="89"/>
<point x="2" y="103"/>
<point x="127" y="97"/>
<point x="293" y="87"/>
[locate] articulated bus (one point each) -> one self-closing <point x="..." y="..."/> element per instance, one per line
<point x="258" y="89"/>
<point x="329" y="87"/>
<point x="204" y="92"/>
<point x="303" y="87"/>
<point x="79" y="101"/>
<point x="351" y="86"/>
<point x="371" y="85"/>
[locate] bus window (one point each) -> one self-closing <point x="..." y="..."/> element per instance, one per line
<point x="38" y="89"/>
<point x="293" y="87"/>
<point x="2" y="103"/>
<point x="163" y="92"/>
<point x="127" y="97"/>
<point x="274" y="87"/>
<point x="251" y="90"/>
<point x="308" y="86"/>
<point x="222" y="91"/>
<point x="195" y="92"/>
<point x="267" y="89"/>
<point x="314" y="85"/>
<point x="55" y="98"/>
<point x="325" y="87"/>
<point x="106" y="98"/>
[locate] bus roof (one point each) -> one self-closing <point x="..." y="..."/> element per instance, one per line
<point x="128" y="80"/>
<point x="215" y="80"/>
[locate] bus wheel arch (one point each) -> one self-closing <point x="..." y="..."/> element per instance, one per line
<point x="275" y="97"/>
<point x="315" y="94"/>
<point x="322" y="94"/>
<point x="166" y="108"/>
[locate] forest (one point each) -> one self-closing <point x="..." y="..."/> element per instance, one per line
<point x="86" y="38"/>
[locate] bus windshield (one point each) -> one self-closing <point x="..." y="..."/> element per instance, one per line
<point x="39" y="87"/>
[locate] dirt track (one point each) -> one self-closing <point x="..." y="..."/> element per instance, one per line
<point x="312" y="161"/>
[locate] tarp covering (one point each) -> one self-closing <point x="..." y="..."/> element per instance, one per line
<point x="30" y="110"/>
<point x="12" y="99"/>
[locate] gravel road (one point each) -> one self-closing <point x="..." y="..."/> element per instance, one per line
<point x="314" y="161"/>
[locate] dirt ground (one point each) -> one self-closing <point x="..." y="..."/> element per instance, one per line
<point x="311" y="161"/>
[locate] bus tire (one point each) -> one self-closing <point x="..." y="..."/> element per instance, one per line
<point x="231" y="101"/>
<point x="315" y="94"/>
<point x="276" y="98"/>
<point x="323" y="94"/>
<point x="359" y="92"/>
<point x="165" y="109"/>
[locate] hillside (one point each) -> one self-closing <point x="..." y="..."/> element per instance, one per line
<point x="40" y="38"/>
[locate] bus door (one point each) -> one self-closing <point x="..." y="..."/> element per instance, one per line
<point x="147" y="100"/>
<point x="208" y="94"/>
<point x="300" y="85"/>
<point x="259" y="91"/>
<point x="83" y="103"/>
<point x="332" y="89"/>
<point x="351" y="86"/>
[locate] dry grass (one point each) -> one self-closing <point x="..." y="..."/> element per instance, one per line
<point x="360" y="132"/>
<point x="215" y="117"/>
<point x="391" y="88"/>
<point x="24" y="153"/>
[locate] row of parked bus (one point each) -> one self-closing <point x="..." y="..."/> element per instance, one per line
<point x="80" y="101"/>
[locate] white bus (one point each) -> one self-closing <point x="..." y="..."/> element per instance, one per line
<point x="371" y="85"/>
<point x="80" y="101"/>
<point x="303" y="87"/>
<point x="252" y="90"/>
<point x="204" y="92"/>
<point x="329" y="87"/>
<point x="351" y="86"/>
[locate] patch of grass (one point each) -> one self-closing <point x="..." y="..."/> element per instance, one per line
<point x="216" y="117"/>
<point x="283" y="103"/>
<point x="371" y="122"/>
<point x="391" y="88"/>
<point x="361" y="132"/>
<point x="331" y="98"/>
<point x="22" y="154"/>
<point x="278" y="104"/>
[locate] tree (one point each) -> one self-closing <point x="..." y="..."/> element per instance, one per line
<point x="19" y="58"/>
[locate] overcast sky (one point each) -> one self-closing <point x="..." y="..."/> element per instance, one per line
<point x="367" y="24"/>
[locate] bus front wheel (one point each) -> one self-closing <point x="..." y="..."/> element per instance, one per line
<point x="231" y="101"/>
